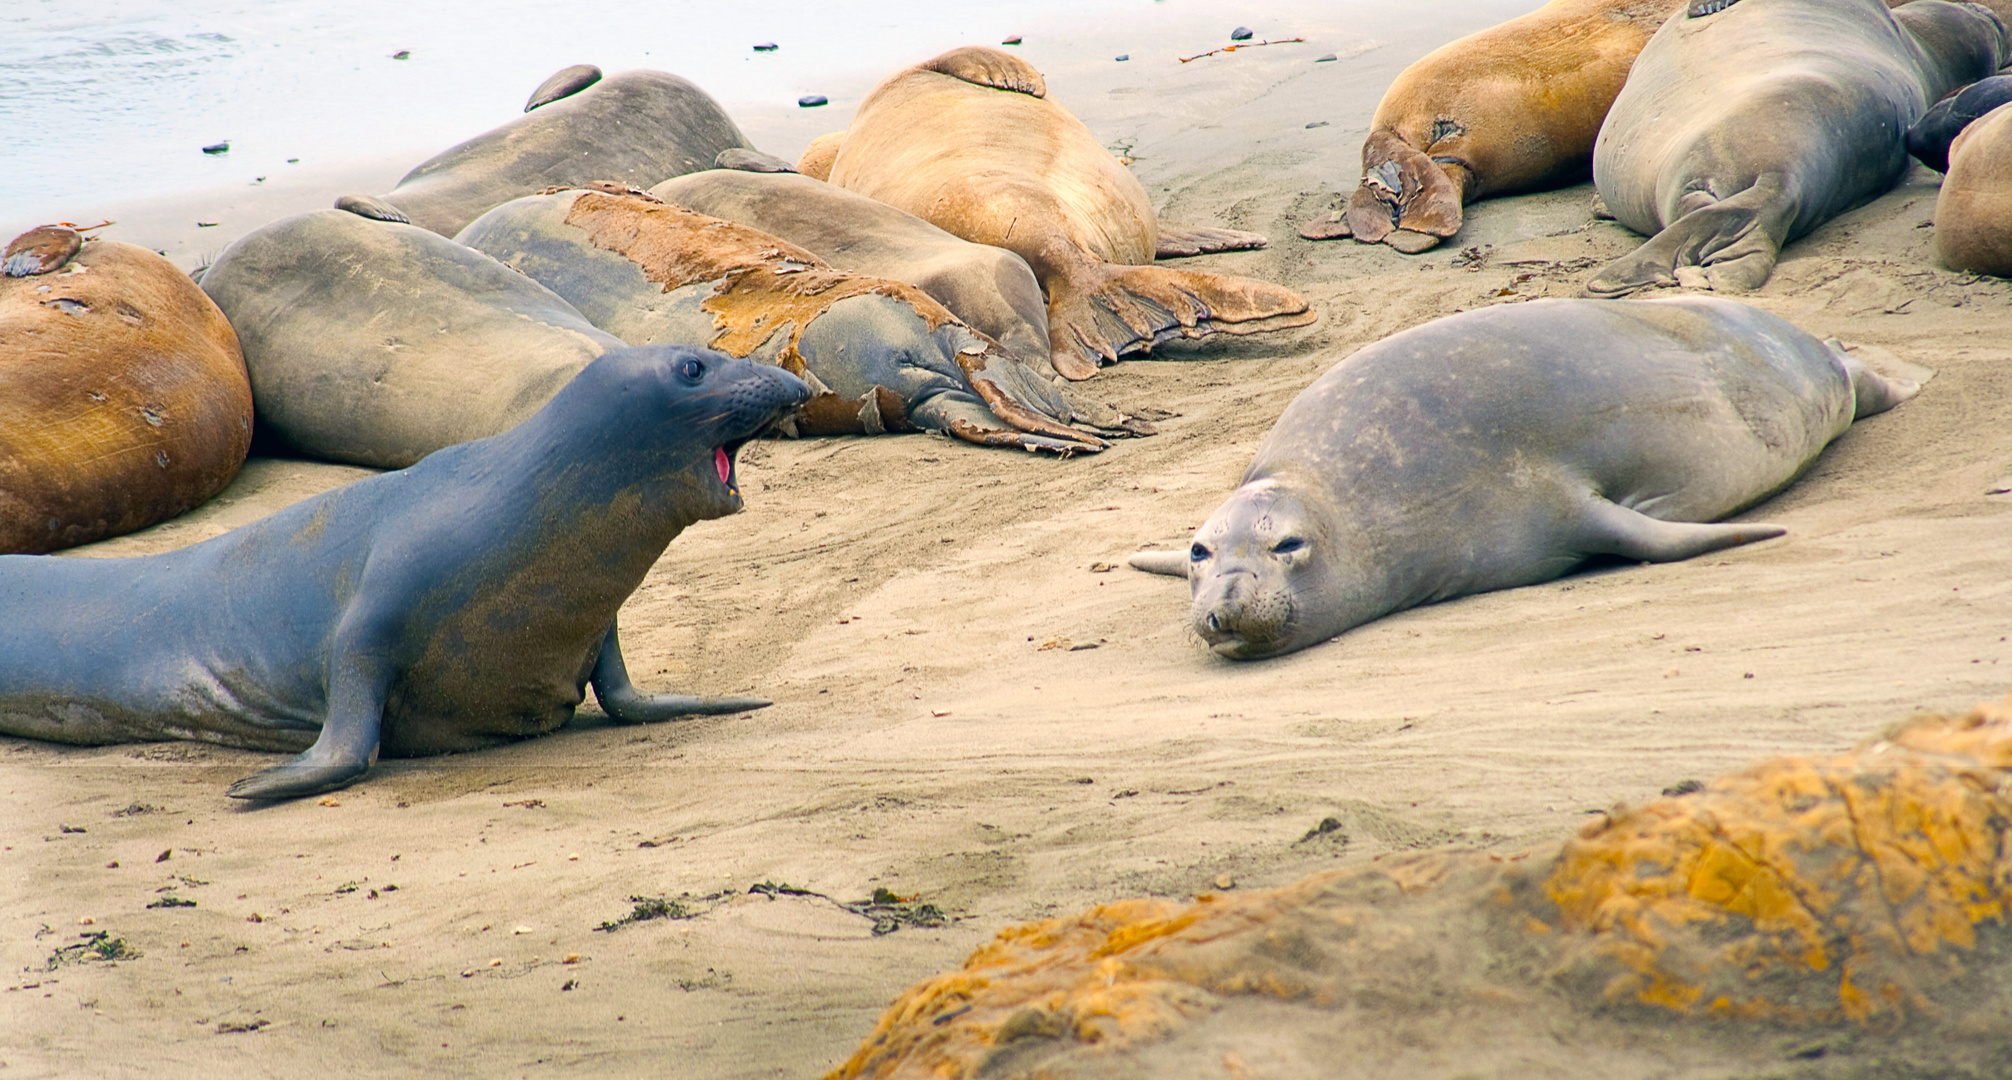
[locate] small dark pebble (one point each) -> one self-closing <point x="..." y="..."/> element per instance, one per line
<point x="1124" y="58"/>
<point x="767" y="46"/>
<point x="1317" y="123"/>
<point x="1241" y="33"/>
<point x="1014" y="40"/>
<point x="1325" y="59"/>
<point x="812" y="101"/>
<point x="1682" y="787"/>
<point x="402" y="54"/>
<point x="218" y="148"/>
<point x="208" y="224"/>
<point x="293" y="161"/>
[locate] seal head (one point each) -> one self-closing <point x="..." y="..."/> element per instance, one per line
<point x="1265" y="574"/>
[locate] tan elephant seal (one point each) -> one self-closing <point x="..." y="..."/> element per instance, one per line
<point x="819" y="155"/>
<point x="970" y="143"/>
<point x="123" y="398"/>
<point x="1973" y="214"/>
<point x="1513" y="108"/>
<point x="1744" y="125"/>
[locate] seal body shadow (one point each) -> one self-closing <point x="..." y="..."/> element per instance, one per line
<point x="464" y="601"/>
<point x="1505" y="446"/>
<point x="1743" y="129"/>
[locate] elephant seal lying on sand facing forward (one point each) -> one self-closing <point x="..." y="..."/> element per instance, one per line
<point x="1504" y="447"/>
<point x="462" y="602"/>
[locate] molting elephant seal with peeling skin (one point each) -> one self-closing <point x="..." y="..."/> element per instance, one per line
<point x="1747" y="123"/>
<point x="123" y="398"/>
<point x="1973" y="212"/>
<point x="375" y="343"/>
<point x="635" y="127"/>
<point x="1505" y="446"/>
<point x="880" y="355"/>
<point x="1513" y="108"/>
<point x="970" y="143"/>
<point x="466" y="601"/>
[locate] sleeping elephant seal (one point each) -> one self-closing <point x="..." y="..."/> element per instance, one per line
<point x="970" y="143"/>
<point x="374" y="343"/>
<point x="463" y="602"/>
<point x="1513" y="108"/>
<point x="1928" y="140"/>
<point x="636" y="127"/>
<point x="1973" y="214"/>
<point x="880" y="355"/>
<point x="1750" y="123"/>
<point x="990" y="289"/>
<point x="1507" y="445"/>
<point x="123" y="399"/>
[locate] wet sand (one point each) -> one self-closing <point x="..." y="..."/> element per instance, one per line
<point x="921" y="612"/>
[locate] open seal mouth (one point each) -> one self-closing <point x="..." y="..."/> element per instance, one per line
<point x="723" y="464"/>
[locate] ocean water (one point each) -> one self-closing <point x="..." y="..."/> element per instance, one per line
<point x="121" y="95"/>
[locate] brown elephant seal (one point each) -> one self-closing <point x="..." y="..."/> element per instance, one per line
<point x="880" y="355"/>
<point x="1743" y="128"/>
<point x="970" y="143"/>
<point x="466" y="601"/>
<point x="1973" y="213"/>
<point x="815" y="162"/>
<point x="1505" y="446"/>
<point x="1513" y="108"/>
<point x="635" y="127"/>
<point x="989" y="288"/>
<point x="375" y="343"/>
<point x="123" y="398"/>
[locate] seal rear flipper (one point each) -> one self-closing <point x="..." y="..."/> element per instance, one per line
<point x="1181" y="241"/>
<point x="1098" y="312"/>
<point x="1871" y="392"/>
<point x="1612" y="529"/>
<point x="983" y="66"/>
<point x="1735" y="241"/>
<point x="563" y="84"/>
<point x="372" y="207"/>
<point x="1327" y="225"/>
<point x="1402" y="189"/>
<point x="989" y="368"/>
<point x="623" y="702"/>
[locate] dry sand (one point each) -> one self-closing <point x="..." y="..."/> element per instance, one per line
<point x="922" y="613"/>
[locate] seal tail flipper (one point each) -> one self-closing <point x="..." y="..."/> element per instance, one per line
<point x="372" y="207"/>
<point x="1611" y="529"/>
<point x="1402" y="189"/>
<point x="1098" y="312"/>
<point x="1181" y="241"/>
<point x="1873" y="393"/>
<point x="983" y="66"/>
<point x="1734" y="240"/>
<point x="1327" y="225"/>
<point x="564" y="83"/>
<point x="624" y="703"/>
<point x="1170" y="563"/>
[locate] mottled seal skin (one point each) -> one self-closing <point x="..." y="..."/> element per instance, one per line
<point x="879" y="354"/>
<point x="374" y="343"/>
<point x="989" y="288"/>
<point x="1743" y="129"/>
<point x="123" y="398"/>
<point x="1973" y="213"/>
<point x="970" y="143"/>
<point x="635" y="127"/>
<point x="1513" y="108"/>
<point x="1504" y="447"/>
<point x="1928" y="140"/>
<point x="466" y="601"/>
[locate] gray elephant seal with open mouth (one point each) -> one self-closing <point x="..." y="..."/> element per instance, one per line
<point x="1504" y="447"/>
<point x="465" y="601"/>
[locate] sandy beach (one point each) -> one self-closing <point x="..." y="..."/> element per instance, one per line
<point x="977" y="706"/>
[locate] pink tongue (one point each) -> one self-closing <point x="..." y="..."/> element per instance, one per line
<point x="721" y="463"/>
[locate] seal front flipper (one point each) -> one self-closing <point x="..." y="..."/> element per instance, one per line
<point x="1099" y="312"/>
<point x="347" y="746"/>
<point x="625" y="703"/>
<point x="372" y="207"/>
<point x="989" y="67"/>
<point x="1180" y="241"/>
<point x="1612" y="529"/>
<point x="563" y="84"/>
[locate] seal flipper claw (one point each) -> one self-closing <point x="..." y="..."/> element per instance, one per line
<point x="624" y="703"/>
<point x="372" y="207"/>
<point x="1180" y="241"/>
<point x="563" y="84"/>
<point x="1612" y="529"/>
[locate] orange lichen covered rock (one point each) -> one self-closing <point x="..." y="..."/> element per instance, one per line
<point x="1866" y="892"/>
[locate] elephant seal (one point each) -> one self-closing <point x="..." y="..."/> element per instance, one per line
<point x="1928" y="140"/>
<point x="1513" y="108"/>
<point x="465" y="601"/>
<point x="1973" y="213"/>
<point x="374" y="343"/>
<point x="1743" y="128"/>
<point x="816" y="159"/>
<point x="989" y="288"/>
<point x="879" y="354"/>
<point x="635" y="127"/>
<point x="1503" y="447"/>
<point x="970" y="143"/>
<point x="123" y="398"/>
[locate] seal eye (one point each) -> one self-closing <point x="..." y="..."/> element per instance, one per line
<point x="1197" y="553"/>
<point x="1288" y="545"/>
<point x="692" y="370"/>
